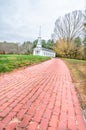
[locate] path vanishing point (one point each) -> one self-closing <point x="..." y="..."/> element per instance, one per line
<point x="41" y="97"/>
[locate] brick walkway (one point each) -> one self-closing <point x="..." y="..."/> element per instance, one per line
<point x="41" y="97"/>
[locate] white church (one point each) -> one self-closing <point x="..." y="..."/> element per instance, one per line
<point x="39" y="50"/>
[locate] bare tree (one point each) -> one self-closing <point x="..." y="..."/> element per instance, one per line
<point x="27" y="47"/>
<point x="6" y="47"/>
<point x="69" y="27"/>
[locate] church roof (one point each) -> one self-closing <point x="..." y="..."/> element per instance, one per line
<point x="44" y="49"/>
<point x="49" y="50"/>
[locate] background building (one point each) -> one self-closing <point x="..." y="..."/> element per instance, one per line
<point x="39" y="50"/>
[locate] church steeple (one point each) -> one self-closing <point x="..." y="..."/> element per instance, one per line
<point x="42" y="51"/>
<point x="39" y="45"/>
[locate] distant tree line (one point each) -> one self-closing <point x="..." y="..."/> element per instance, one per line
<point x="25" y="48"/>
<point x="70" y="36"/>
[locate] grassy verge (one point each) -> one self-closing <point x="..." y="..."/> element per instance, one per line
<point x="10" y="62"/>
<point x="78" y="71"/>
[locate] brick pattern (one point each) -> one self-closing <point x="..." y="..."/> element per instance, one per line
<point x="41" y="97"/>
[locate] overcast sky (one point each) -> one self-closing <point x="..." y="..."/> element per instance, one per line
<point x="20" y="19"/>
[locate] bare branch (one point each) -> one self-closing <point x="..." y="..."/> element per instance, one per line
<point x="70" y="26"/>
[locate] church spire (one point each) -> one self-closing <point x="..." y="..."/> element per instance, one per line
<point x="40" y="31"/>
<point x="39" y="45"/>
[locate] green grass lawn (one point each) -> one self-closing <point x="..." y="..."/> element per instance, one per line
<point x="10" y="62"/>
<point x="78" y="72"/>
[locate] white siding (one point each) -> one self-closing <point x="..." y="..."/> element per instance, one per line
<point x="39" y="51"/>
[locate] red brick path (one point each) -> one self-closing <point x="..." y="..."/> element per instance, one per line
<point x="41" y="97"/>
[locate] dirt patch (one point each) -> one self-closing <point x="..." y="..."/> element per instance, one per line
<point x="78" y="72"/>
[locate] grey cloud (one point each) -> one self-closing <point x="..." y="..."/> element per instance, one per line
<point x="20" y="19"/>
